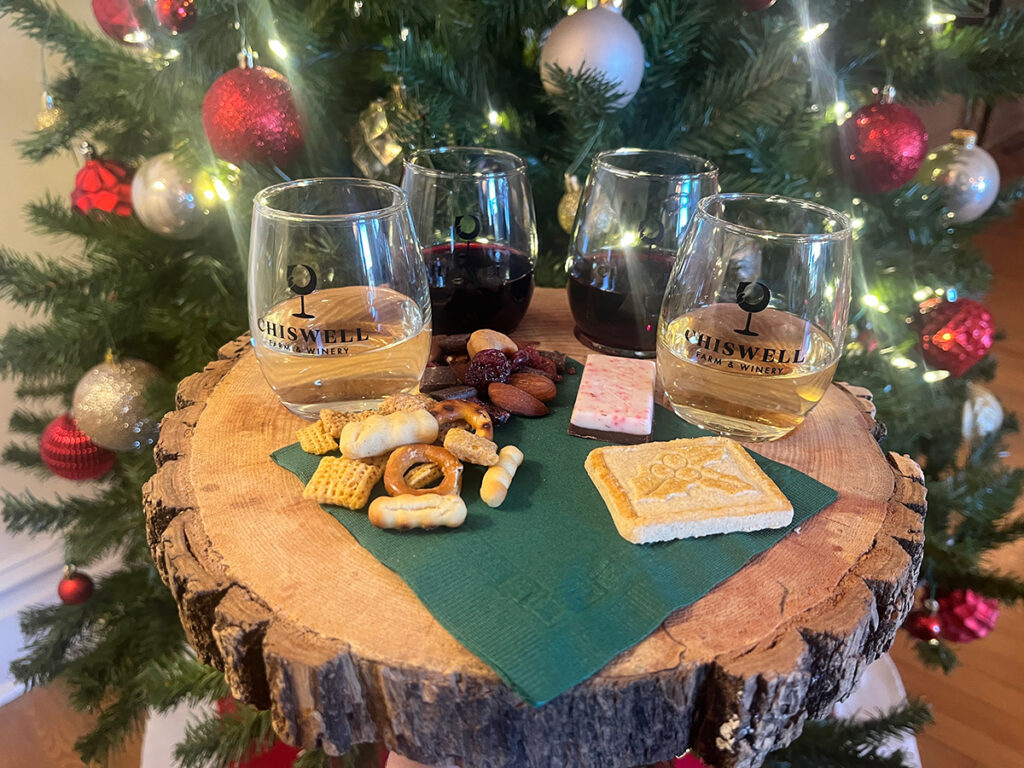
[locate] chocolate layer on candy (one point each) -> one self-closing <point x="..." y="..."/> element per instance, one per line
<point x="612" y="437"/>
<point x="615" y="401"/>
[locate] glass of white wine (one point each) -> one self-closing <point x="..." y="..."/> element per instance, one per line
<point x="339" y="304"/>
<point x="752" y="323"/>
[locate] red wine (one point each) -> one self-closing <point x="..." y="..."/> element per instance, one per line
<point x="477" y="285"/>
<point x="615" y="299"/>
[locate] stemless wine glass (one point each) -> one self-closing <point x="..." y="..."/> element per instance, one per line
<point x="339" y="305"/>
<point x="635" y="210"/>
<point x="473" y="213"/>
<point x="752" y="324"/>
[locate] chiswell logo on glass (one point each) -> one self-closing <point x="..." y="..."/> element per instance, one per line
<point x="308" y="336"/>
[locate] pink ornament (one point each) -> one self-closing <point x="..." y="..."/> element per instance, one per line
<point x="966" y="615"/>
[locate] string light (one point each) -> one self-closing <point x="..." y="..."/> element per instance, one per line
<point x="933" y="376"/>
<point x="222" y="191"/>
<point x="870" y="300"/>
<point x="842" y="111"/>
<point x="941" y="19"/>
<point x="922" y="294"/>
<point x="813" y="33"/>
<point x="404" y="34"/>
<point x="278" y="48"/>
<point x="493" y="117"/>
<point x="903" y="363"/>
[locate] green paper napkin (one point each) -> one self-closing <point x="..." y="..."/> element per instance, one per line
<point x="543" y="589"/>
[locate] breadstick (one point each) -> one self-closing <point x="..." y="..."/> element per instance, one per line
<point x="379" y="434"/>
<point x="426" y="511"/>
<point x="496" y="480"/>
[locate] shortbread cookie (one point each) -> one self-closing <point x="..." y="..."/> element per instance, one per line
<point x="497" y="479"/>
<point x="471" y="448"/>
<point x="379" y="434"/>
<point x="427" y="511"/>
<point x="344" y="482"/>
<point x="685" y="488"/>
<point x="314" y="439"/>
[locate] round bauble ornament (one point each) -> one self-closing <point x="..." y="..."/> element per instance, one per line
<point x="375" y="148"/>
<point x="923" y="626"/>
<point x="969" y="174"/>
<point x="569" y="203"/>
<point x="120" y="19"/>
<point x="966" y="615"/>
<point x="599" y="41"/>
<point x="956" y="334"/>
<point x="110" y="405"/>
<point x="103" y="186"/>
<point x="69" y="453"/>
<point x="175" y="15"/>
<point x="983" y="413"/>
<point x="250" y="117"/>
<point x="171" y="198"/>
<point x="881" y="146"/>
<point x="756" y="5"/>
<point x="75" y="588"/>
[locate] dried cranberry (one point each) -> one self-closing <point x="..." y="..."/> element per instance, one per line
<point x="487" y="366"/>
<point x="498" y="415"/>
<point x="530" y="357"/>
<point x="520" y="359"/>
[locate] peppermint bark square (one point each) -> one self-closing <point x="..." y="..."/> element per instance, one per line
<point x="615" y="401"/>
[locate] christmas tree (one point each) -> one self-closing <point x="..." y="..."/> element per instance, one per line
<point x="211" y="100"/>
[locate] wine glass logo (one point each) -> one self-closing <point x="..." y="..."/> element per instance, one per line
<point x="302" y="291"/>
<point x="651" y="232"/>
<point x="463" y="234"/>
<point x="751" y="298"/>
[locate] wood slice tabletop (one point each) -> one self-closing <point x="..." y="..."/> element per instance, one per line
<point x="301" y="619"/>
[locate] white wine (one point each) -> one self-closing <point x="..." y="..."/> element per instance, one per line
<point x="751" y="377"/>
<point x="342" y="348"/>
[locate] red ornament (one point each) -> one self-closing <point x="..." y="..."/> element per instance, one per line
<point x="103" y="185"/>
<point x="277" y="755"/>
<point x="923" y="626"/>
<point x="757" y="5"/>
<point x="966" y="615"/>
<point x="882" y="146"/>
<point x="956" y="334"/>
<point x="120" y="20"/>
<point x="75" y="588"/>
<point x="175" y="15"/>
<point x="250" y="116"/>
<point x="69" y="452"/>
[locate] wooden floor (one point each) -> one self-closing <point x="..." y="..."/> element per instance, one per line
<point x="979" y="708"/>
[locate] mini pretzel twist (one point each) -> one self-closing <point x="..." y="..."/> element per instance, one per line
<point x="454" y="411"/>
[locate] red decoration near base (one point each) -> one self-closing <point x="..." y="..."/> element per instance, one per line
<point x="956" y="334"/>
<point x="119" y="19"/>
<point x="923" y="626"/>
<point x="75" y="588"/>
<point x="250" y="117"/>
<point x="277" y="755"/>
<point x="966" y="615"/>
<point x="175" y="15"/>
<point x="69" y="453"/>
<point x="105" y="186"/>
<point x="881" y="147"/>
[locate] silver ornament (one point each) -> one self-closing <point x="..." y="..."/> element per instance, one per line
<point x="983" y="413"/>
<point x="599" y="41"/>
<point x="969" y="174"/>
<point x="110" y="404"/>
<point x="171" y="199"/>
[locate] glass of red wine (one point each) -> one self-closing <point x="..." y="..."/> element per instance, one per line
<point x="634" y="213"/>
<point x="473" y="213"/>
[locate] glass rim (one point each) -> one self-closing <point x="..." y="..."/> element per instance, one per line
<point x="845" y="225"/>
<point x="261" y="202"/>
<point x="518" y="165"/>
<point x="601" y="159"/>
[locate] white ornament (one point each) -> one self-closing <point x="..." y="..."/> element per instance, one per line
<point x="983" y="413"/>
<point x="170" y="199"/>
<point x="600" y="41"/>
<point x="969" y="174"/>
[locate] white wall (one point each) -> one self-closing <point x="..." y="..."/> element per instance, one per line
<point x="29" y="568"/>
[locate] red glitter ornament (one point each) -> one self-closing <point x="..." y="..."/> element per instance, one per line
<point x="882" y="146"/>
<point x="966" y="615"/>
<point x="69" y="452"/>
<point x="103" y="185"/>
<point x="120" y="20"/>
<point x="923" y="626"/>
<point x="175" y="15"/>
<point x="250" y="116"/>
<point x="956" y="334"/>
<point x="75" y="588"/>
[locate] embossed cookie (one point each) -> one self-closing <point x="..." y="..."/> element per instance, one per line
<point x="685" y="488"/>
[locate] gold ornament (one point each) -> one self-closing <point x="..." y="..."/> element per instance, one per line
<point x="49" y="115"/>
<point x="110" y="404"/>
<point x="569" y="203"/>
<point x="375" y="148"/>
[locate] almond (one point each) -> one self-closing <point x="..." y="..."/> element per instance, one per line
<point x="485" y="338"/>
<point x="515" y="400"/>
<point x="540" y="387"/>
